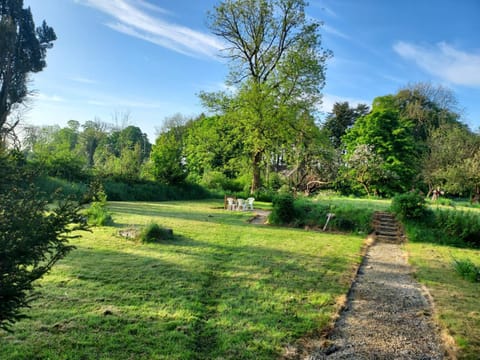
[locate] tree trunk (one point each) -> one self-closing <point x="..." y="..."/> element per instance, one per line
<point x="256" y="180"/>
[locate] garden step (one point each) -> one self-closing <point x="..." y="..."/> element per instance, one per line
<point x="387" y="228"/>
<point x="388" y="239"/>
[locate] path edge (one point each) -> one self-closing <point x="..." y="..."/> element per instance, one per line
<point x="320" y="340"/>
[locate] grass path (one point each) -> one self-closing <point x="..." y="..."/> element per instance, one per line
<point x="223" y="288"/>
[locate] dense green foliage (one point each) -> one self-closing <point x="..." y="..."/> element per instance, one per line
<point x="342" y="119"/>
<point x="463" y="226"/>
<point x="391" y="149"/>
<point x="153" y="191"/>
<point x="33" y="236"/>
<point x="409" y="206"/>
<point x="97" y="213"/>
<point x="283" y="211"/>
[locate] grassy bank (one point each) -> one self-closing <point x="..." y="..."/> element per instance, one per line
<point x="222" y="288"/>
<point x="456" y="299"/>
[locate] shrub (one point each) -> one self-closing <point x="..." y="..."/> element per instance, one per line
<point x="98" y="215"/>
<point x="217" y="180"/>
<point x="409" y="206"/>
<point x="153" y="232"/>
<point x="467" y="269"/>
<point x="283" y="211"/>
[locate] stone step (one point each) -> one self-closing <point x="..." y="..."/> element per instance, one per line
<point x="387" y="228"/>
<point x="388" y="239"/>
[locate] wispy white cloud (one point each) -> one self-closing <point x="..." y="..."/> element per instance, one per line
<point x="136" y="18"/>
<point x="48" y="98"/>
<point x="328" y="10"/>
<point x="331" y="30"/>
<point x="443" y="61"/>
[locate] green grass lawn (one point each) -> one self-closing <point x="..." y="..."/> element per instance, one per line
<point x="457" y="300"/>
<point x="374" y="204"/>
<point x="222" y="289"/>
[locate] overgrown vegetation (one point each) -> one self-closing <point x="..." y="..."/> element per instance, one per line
<point x="467" y="269"/>
<point x="304" y="212"/>
<point x="152" y="232"/>
<point x="447" y="227"/>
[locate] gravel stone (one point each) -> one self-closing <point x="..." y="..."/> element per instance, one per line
<point x="387" y="315"/>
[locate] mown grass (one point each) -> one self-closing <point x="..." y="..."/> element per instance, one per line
<point x="361" y="203"/>
<point x="222" y="288"/>
<point x="457" y="299"/>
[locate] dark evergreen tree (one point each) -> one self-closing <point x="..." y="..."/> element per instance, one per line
<point x="32" y="237"/>
<point x="23" y="49"/>
<point x="341" y="119"/>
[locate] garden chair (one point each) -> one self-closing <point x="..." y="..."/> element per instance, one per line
<point x="249" y="203"/>
<point x="241" y="204"/>
<point x="230" y="203"/>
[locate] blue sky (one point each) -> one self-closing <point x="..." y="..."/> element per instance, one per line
<point x="150" y="58"/>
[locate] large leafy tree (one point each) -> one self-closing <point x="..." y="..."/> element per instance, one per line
<point x="122" y="153"/>
<point x="390" y="137"/>
<point x="452" y="163"/>
<point x="23" y="49"/>
<point x="55" y="151"/>
<point x="94" y="132"/>
<point x="427" y="106"/>
<point x="167" y="157"/>
<point x="277" y="67"/>
<point x="212" y="144"/>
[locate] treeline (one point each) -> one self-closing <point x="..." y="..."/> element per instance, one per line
<point x="413" y="139"/>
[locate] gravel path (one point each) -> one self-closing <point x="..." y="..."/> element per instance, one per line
<point x="387" y="315"/>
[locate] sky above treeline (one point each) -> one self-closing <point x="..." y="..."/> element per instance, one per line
<point x="150" y="58"/>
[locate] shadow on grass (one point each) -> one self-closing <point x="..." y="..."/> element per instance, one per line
<point x="186" y="299"/>
<point x="177" y="211"/>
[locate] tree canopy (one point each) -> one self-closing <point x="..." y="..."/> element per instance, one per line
<point x="277" y="67"/>
<point x="23" y="49"/>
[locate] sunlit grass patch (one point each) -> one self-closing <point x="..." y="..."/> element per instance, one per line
<point x="456" y="299"/>
<point x="221" y="288"/>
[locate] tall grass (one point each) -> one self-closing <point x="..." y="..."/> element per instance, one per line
<point x="446" y="227"/>
<point x="153" y="191"/>
<point x="50" y="185"/>
<point x="304" y="212"/>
